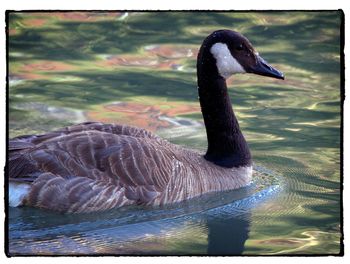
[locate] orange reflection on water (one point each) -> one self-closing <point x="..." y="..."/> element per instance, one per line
<point x="142" y="115"/>
<point x="35" y="22"/>
<point x="81" y="16"/>
<point x="44" y="66"/>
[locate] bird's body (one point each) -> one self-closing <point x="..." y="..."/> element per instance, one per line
<point x="94" y="166"/>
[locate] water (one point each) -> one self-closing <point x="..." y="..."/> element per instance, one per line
<point x="139" y="69"/>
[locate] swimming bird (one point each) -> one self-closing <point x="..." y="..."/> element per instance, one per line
<point x="94" y="166"/>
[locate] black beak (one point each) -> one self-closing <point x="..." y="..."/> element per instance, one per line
<point x="263" y="68"/>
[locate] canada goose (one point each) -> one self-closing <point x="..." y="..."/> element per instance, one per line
<point x="94" y="166"/>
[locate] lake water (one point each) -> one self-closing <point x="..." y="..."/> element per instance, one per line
<point x="139" y="69"/>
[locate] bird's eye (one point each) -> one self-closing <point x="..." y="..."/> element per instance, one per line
<point x="239" y="47"/>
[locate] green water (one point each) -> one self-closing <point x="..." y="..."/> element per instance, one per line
<point x="139" y="69"/>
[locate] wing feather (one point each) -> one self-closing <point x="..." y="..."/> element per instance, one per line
<point x="83" y="168"/>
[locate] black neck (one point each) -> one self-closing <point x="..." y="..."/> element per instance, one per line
<point x="226" y="144"/>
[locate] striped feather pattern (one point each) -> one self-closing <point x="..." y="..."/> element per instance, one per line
<point x="93" y="166"/>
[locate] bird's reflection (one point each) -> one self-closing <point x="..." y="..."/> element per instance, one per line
<point x="228" y="236"/>
<point x="212" y="225"/>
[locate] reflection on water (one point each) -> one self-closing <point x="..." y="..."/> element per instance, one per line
<point x="212" y="224"/>
<point x="139" y="69"/>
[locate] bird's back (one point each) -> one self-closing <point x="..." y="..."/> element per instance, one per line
<point x="90" y="167"/>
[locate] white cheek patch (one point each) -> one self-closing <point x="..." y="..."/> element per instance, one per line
<point x="225" y="62"/>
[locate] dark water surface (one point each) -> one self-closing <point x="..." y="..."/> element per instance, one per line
<point x="139" y="69"/>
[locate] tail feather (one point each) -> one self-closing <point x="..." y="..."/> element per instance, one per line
<point x="20" y="168"/>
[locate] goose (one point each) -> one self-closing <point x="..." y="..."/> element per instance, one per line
<point x="94" y="166"/>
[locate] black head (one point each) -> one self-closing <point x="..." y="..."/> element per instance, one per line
<point x="233" y="53"/>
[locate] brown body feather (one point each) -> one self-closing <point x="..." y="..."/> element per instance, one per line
<point x="93" y="166"/>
